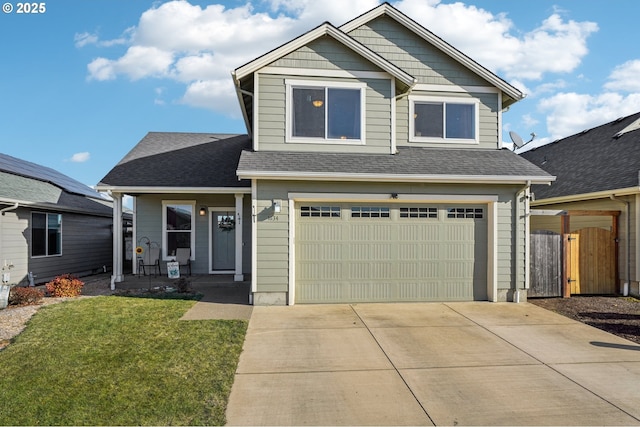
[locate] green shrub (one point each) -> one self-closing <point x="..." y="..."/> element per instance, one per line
<point x="65" y="286"/>
<point x="19" y="295"/>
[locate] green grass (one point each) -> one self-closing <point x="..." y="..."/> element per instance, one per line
<point x="119" y="361"/>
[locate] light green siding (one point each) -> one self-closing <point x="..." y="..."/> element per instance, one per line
<point x="488" y="113"/>
<point x="325" y="54"/>
<point x="272" y="116"/>
<point x="273" y="232"/>
<point x="413" y="54"/>
<point x="149" y="225"/>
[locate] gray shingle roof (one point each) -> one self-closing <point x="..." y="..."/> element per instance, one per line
<point x="590" y="161"/>
<point x="31" y="184"/>
<point x="409" y="161"/>
<point x="172" y="159"/>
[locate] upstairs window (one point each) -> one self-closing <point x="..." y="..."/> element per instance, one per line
<point x="318" y="112"/>
<point x="437" y="120"/>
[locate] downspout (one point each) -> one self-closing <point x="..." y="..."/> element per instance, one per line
<point x="9" y="208"/>
<point x="10" y="265"/>
<point x="518" y="266"/>
<point x="394" y="149"/>
<point x="239" y="93"/>
<point x="627" y="204"/>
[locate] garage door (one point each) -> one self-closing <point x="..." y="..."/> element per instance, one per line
<point x="376" y="253"/>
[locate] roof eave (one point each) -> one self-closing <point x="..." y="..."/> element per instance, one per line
<point x="514" y="95"/>
<point x="103" y="188"/>
<point x="440" y="179"/>
<point x="586" y="196"/>
<point x="322" y="30"/>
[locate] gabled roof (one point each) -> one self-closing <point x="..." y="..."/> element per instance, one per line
<point x="325" y="29"/>
<point x="42" y="173"/>
<point x="33" y="185"/>
<point x="601" y="159"/>
<point x="171" y="161"/>
<point x="410" y="164"/>
<point x="512" y="94"/>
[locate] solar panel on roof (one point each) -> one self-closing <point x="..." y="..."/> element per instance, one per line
<point x="42" y="173"/>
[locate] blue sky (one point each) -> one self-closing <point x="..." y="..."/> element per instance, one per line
<point x="83" y="82"/>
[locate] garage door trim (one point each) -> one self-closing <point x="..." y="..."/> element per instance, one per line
<point x="489" y="199"/>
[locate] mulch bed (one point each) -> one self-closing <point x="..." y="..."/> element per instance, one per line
<point x="614" y="314"/>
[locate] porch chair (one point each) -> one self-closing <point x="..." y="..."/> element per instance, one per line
<point x="151" y="258"/>
<point x="183" y="256"/>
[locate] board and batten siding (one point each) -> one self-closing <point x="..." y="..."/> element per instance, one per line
<point x="272" y="116"/>
<point x="273" y="235"/>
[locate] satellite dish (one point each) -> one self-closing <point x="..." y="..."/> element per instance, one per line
<point x="517" y="140"/>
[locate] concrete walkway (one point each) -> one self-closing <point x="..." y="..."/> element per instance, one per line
<point x="221" y="300"/>
<point x="432" y="364"/>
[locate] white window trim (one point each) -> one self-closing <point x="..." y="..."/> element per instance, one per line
<point x="291" y="83"/>
<point x="166" y="203"/>
<point x="451" y="100"/>
<point x="46" y="241"/>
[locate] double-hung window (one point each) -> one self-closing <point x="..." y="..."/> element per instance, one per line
<point x="46" y="234"/>
<point x="325" y="112"/>
<point x="443" y="120"/>
<point x="178" y="223"/>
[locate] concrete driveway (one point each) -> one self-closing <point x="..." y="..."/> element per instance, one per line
<point x="432" y="364"/>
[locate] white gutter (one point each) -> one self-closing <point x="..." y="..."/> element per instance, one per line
<point x="239" y="92"/>
<point x="516" y="293"/>
<point x="586" y="196"/>
<point x="9" y="208"/>
<point x="458" y="179"/>
<point x="184" y="190"/>
<point x="627" y="205"/>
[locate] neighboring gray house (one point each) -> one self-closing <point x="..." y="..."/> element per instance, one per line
<point x="373" y="170"/>
<point x="50" y="224"/>
<point x="597" y="173"/>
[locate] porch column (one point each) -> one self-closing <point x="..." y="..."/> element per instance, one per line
<point x="117" y="239"/>
<point x="239" y="277"/>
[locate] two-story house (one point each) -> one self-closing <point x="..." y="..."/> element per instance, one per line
<point x="372" y="171"/>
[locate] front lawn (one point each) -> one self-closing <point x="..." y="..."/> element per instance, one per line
<point x="119" y="361"/>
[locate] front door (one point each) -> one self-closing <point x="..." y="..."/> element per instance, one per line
<point x="223" y="238"/>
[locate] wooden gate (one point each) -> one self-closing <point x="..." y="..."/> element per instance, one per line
<point x="592" y="265"/>
<point x="546" y="264"/>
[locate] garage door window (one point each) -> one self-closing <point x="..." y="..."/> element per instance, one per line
<point x="369" y="212"/>
<point x="320" y="211"/>
<point x="419" y="213"/>
<point x="474" y="213"/>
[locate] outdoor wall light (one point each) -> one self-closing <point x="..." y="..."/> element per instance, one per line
<point x="203" y="211"/>
<point x="277" y="205"/>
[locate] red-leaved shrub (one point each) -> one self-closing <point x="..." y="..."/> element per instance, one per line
<point x="65" y="286"/>
<point x="19" y="295"/>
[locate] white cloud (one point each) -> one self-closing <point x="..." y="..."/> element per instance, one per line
<point x="86" y="38"/>
<point x="625" y="77"/>
<point x="137" y="63"/>
<point x="216" y="95"/>
<point x="199" y="46"/>
<point x="80" y="157"/>
<point x="569" y="113"/>
<point x="83" y="39"/>
<point x="555" y="46"/>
